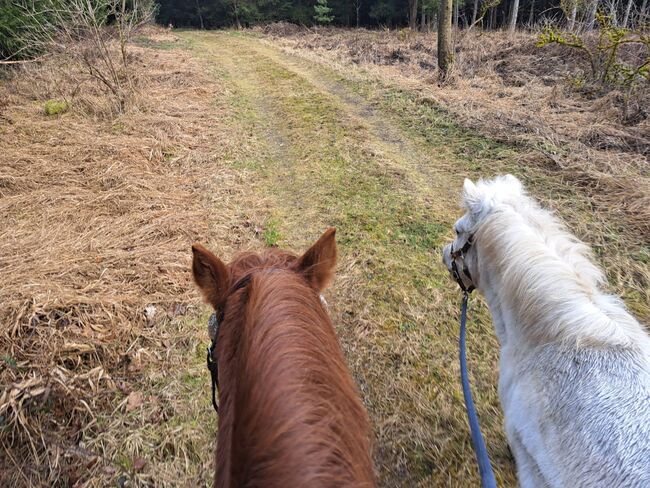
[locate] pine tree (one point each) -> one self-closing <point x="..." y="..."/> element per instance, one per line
<point x="322" y="12"/>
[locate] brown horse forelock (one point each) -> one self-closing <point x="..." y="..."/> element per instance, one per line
<point x="290" y="412"/>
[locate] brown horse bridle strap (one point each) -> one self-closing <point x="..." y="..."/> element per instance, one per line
<point x="214" y="322"/>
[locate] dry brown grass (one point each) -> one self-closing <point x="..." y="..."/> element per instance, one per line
<point x="510" y="90"/>
<point x="97" y="213"/>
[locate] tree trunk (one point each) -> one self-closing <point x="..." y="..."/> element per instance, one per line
<point x="531" y="16"/>
<point x="612" y="14"/>
<point x="413" y="14"/>
<point x="574" y="14"/>
<point x="627" y="14"/>
<point x="423" y="19"/>
<point x="492" y="18"/>
<point x="513" y="15"/>
<point x="456" y="14"/>
<point x="358" y="7"/>
<point x="198" y="11"/>
<point x="445" y="48"/>
<point x="236" y="7"/>
<point x="592" y="14"/>
<point x="474" y="12"/>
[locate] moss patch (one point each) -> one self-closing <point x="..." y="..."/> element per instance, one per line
<point x="55" y="107"/>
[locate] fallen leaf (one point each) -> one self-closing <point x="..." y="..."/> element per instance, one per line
<point x="180" y="309"/>
<point x="133" y="401"/>
<point x="139" y="463"/>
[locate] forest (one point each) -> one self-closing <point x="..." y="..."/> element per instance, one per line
<point x="416" y="14"/>
<point x="20" y="19"/>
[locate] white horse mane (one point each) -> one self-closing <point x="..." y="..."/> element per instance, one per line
<point x="544" y="271"/>
<point x="574" y="365"/>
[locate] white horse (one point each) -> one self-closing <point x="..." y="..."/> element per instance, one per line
<point x="574" y="378"/>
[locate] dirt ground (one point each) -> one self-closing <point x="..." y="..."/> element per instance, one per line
<point x="241" y="141"/>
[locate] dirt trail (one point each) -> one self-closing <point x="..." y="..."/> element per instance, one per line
<point x="325" y="155"/>
<point x="385" y="168"/>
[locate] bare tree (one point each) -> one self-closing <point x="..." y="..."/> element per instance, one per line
<point x="573" y="9"/>
<point x="612" y="6"/>
<point x="413" y="14"/>
<point x="627" y="13"/>
<point x="235" y="7"/>
<point x="591" y="20"/>
<point x="486" y="6"/>
<point x="357" y="8"/>
<point x="474" y="12"/>
<point x="78" y="29"/>
<point x="531" y="15"/>
<point x="514" y="12"/>
<point x="198" y="12"/>
<point x="445" y="48"/>
<point x="423" y="18"/>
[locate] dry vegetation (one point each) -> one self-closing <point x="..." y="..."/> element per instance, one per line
<point x="510" y="90"/>
<point x="97" y="214"/>
<point x="102" y="369"/>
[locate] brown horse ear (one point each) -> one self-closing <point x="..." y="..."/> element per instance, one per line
<point x="317" y="264"/>
<point x="210" y="274"/>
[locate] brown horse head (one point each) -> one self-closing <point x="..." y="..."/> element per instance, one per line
<point x="290" y="412"/>
<point x="215" y="279"/>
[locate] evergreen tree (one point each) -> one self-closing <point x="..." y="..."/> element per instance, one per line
<point x="322" y="12"/>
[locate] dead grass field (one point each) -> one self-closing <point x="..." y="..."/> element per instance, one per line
<point x="97" y="214"/>
<point x="242" y="141"/>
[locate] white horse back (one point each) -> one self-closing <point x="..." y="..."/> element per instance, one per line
<point x="579" y="417"/>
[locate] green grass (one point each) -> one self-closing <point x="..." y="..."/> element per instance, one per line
<point x="271" y="233"/>
<point x="55" y="107"/>
<point x="9" y="361"/>
<point x="161" y="45"/>
<point x="324" y="166"/>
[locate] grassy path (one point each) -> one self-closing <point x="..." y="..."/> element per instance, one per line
<point x="326" y="157"/>
<point x="385" y="169"/>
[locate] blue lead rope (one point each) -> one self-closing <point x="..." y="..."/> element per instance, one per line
<point x="484" y="466"/>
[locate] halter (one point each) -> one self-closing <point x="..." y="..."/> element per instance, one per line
<point x="214" y="322"/>
<point x="460" y="254"/>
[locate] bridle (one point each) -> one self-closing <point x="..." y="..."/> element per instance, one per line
<point x="478" y="443"/>
<point x="214" y="322"/>
<point x="460" y="254"/>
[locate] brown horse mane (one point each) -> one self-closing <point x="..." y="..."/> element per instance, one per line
<point x="290" y="412"/>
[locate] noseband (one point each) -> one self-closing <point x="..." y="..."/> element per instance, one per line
<point x="460" y="254"/>
<point x="214" y="322"/>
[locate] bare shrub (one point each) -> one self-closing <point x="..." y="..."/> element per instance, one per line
<point x="93" y="33"/>
<point x="604" y="58"/>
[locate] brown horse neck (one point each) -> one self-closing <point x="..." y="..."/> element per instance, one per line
<point x="290" y="411"/>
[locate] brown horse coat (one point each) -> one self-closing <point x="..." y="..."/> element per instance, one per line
<point x="290" y="412"/>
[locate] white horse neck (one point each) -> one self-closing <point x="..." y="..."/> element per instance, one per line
<point x="542" y="286"/>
